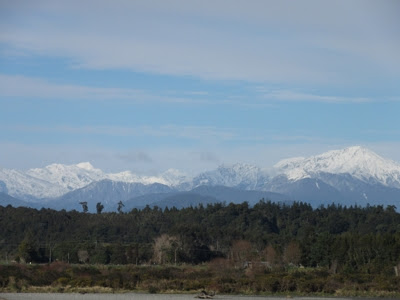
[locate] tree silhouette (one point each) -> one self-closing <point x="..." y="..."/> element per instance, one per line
<point x="120" y="206"/>
<point x="84" y="206"/>
<point x="99" y="207"/>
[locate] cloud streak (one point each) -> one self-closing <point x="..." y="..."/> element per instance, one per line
<point x="286" y="95"/>
<point x="15" y="86"/>
<point x="133" y="157"/>
<point x="202" y="135"/>
<point x="189" y="39"/>
<point x="185" y="132"/>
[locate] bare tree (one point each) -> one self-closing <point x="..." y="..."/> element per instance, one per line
<point x="164" y="247"/>
<point x="83" y="256"/>
<point x="241" y="251"/>
<point x="292" y="253"/>
<point x="271" y="256"/>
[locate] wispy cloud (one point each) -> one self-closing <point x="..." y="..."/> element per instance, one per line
<point x="14" y="86"/>
<point x="205" y="135"/>
<point x="207" y="39"/>
<point x="136" y="156"/>
<point x="22" y="86"/>
<point x="296" y="138"/>
<point x="287" y="95"/>
<point x="185" y="132"/>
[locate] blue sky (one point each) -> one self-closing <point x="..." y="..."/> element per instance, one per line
<point x="151" y="85"/>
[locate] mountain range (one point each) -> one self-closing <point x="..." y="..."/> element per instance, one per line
<point x="354" y="175"/>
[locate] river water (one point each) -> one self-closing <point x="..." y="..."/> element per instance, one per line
<point x="136" y="296"/>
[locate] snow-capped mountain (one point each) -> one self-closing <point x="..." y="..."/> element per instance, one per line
<point x="56" y="180"/>
<point x="353" y="175"/>
<point x="356" y="161"/>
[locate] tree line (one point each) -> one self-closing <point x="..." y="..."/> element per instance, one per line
<point x="272" y="235"/>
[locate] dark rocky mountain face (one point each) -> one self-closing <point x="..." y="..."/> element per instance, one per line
<point x="108" y="192"/>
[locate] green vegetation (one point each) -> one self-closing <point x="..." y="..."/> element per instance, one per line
<point x="235" y="248"/>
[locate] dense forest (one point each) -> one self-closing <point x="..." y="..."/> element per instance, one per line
<point x="234" y="248"/>
<point x="343" y="239"/>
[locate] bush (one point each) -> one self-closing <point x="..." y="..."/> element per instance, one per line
<point x="63" y="281"/>
<point x="153" y="289"/>
<point x="271" y="283"/>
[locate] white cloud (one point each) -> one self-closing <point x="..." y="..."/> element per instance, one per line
<point x="286" y="95"/>
<point x="285" y="41"/>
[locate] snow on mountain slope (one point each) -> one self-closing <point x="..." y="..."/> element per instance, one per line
<point x="128" y="176"/>
<point x="354" y="162"/>
<point x="357" y="161"/>
<point x="26" y="187"/>
<point x="57" y="179"/>
<point x="69" y="177"/>
<point x="170" y="177"/>
<point x="173" y="177"/>
<point x="243" y="176"/>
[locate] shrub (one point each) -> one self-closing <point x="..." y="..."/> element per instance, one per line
<point x="153" y="289"/>
<point x="63" y="281"/>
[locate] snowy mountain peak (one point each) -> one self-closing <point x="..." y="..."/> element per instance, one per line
<point x="356" y="161"/>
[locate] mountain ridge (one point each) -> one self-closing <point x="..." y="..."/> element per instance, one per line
<point x="349" y="176"/>
<point x="356" y="160"/>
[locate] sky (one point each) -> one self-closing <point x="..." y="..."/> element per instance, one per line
<point x="150" y="85"/>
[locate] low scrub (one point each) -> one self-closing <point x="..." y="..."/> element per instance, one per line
<point x="59" y="277"/>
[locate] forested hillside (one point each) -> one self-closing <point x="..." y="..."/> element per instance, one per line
<point x="339" y="238"/>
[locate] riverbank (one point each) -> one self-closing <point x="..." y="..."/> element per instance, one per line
<point x="223" y="279"/>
